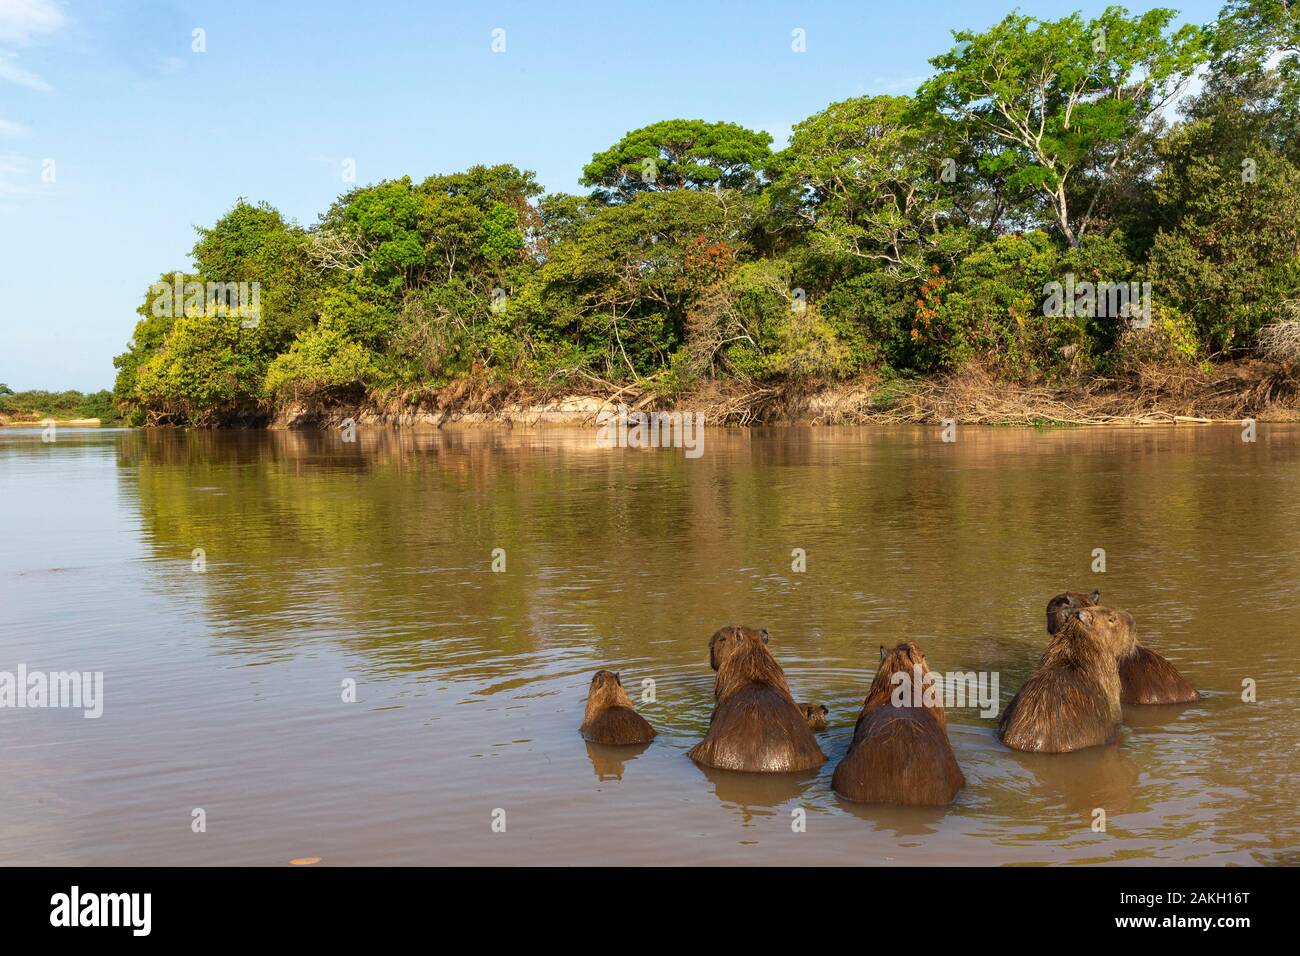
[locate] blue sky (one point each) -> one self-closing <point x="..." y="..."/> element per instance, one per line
<point x="149" y="138"/>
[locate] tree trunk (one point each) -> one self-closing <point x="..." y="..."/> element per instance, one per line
<point x="1063" y="216"/>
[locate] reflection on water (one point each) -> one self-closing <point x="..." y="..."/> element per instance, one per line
<point x="608" y="761"/>
<point x="325" y="562"/>
<point x="758" y="795"/>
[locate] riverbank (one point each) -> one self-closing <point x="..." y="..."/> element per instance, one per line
<point x="33" y="408"/>
<point x="1229" y="392"/>
<point x="42" y="422"/>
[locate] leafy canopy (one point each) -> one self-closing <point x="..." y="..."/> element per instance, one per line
<point x="679" y="154"/>
<point x="1063" y="99"/>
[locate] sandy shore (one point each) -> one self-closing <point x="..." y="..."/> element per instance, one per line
<point x="42" y="422"/>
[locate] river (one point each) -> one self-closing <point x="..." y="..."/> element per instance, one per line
<point x="231" y="587"/>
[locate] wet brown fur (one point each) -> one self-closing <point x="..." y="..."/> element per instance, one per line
<point x="817" y="715"/>
<point x="1072" y="700"/>
<point x="756" y="724"/>
<point x="1059" y="607"/>
<point x="899" y="754"/>
<point x="1145" y="677"/>
<point x="610" y="717"/>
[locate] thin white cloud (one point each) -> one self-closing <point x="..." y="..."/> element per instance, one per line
<point x="22" y="22"/>
<point x="12" y="129"/>
<point x="13" y="73"/>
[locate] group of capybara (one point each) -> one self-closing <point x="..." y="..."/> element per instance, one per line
<point x="900" y="751"/>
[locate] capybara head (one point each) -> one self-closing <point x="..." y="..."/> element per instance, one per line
<point x="727" y="641"/>
<point x="1060" y="607"/>
<point x="906" y="658"/>
<point x="817" y="715"/>
<point x="1111" y="628"/>
<point x="606" y="690"/>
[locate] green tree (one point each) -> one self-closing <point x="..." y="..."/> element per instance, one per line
<point x="1230" y="256"/>
<point x="623" y="281"/>
<point x="146" y="340"/>
<point x="254" y="244"/>
<point x="1252" y="36"/>
<point x="322" y="364"/>
<point x="206" y="372"/>
<point x="1063" y="100"/>
<point x="867" y="183"/>
<point x="679" y="154"/>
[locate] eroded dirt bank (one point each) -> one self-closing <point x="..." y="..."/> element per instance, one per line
<point x="1223" y="393"/>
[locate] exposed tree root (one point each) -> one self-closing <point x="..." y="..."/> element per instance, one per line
<point x="1153" y="395"/>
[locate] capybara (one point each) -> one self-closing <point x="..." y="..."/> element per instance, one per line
<point x="1072" y="700"/>
<point x="1144" y="676"/>
<point x="1147" y="678"/>
<point x="817" y="715"/>
<point x="1059" y="607"/>
<point x="899" y="754"/>
<point x="756" y="725"/>
<point x="610" y="717"/>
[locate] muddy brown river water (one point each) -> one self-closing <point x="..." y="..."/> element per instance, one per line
<point x="225" y="669"/>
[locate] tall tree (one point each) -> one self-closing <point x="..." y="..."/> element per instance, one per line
<point x="1063" y="99"/>
<point x="866" y="181"/>
<point x="679" y="154"/>
<point x="1254" y="35"/>
<point x="626" y="276"/>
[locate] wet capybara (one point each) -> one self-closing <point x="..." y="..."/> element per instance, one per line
<point x="1147" y="678"/>
<point x="756" y="725"/>
<point x="1072" y="700"/>
<point x="899" y="754"/>
<point x="1059" y="607"/>
<point x="610" y="717"/>
<point x="1144" y="676"/>
<point x="817" y="715"/>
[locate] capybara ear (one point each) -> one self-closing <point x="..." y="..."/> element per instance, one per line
<point x="618" y="678"/>
<point x="825" y="709"/>
<point x="1085" y="615"/>
<point x="763" y="633"/>
<point x="1095" y="597"/>
<point x="882" y="653"/>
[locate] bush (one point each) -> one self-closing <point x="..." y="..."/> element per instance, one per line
<point x="992" y="308"/>
<point x="1280" y="341"/>
<point x="1169" y="341"/>
<point x="322" y="363"/>
<point x="1231" y="258"/>
<point x="872" y="315"/>
<point x="755" y="326"/>
<point x="208" y="370"/>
